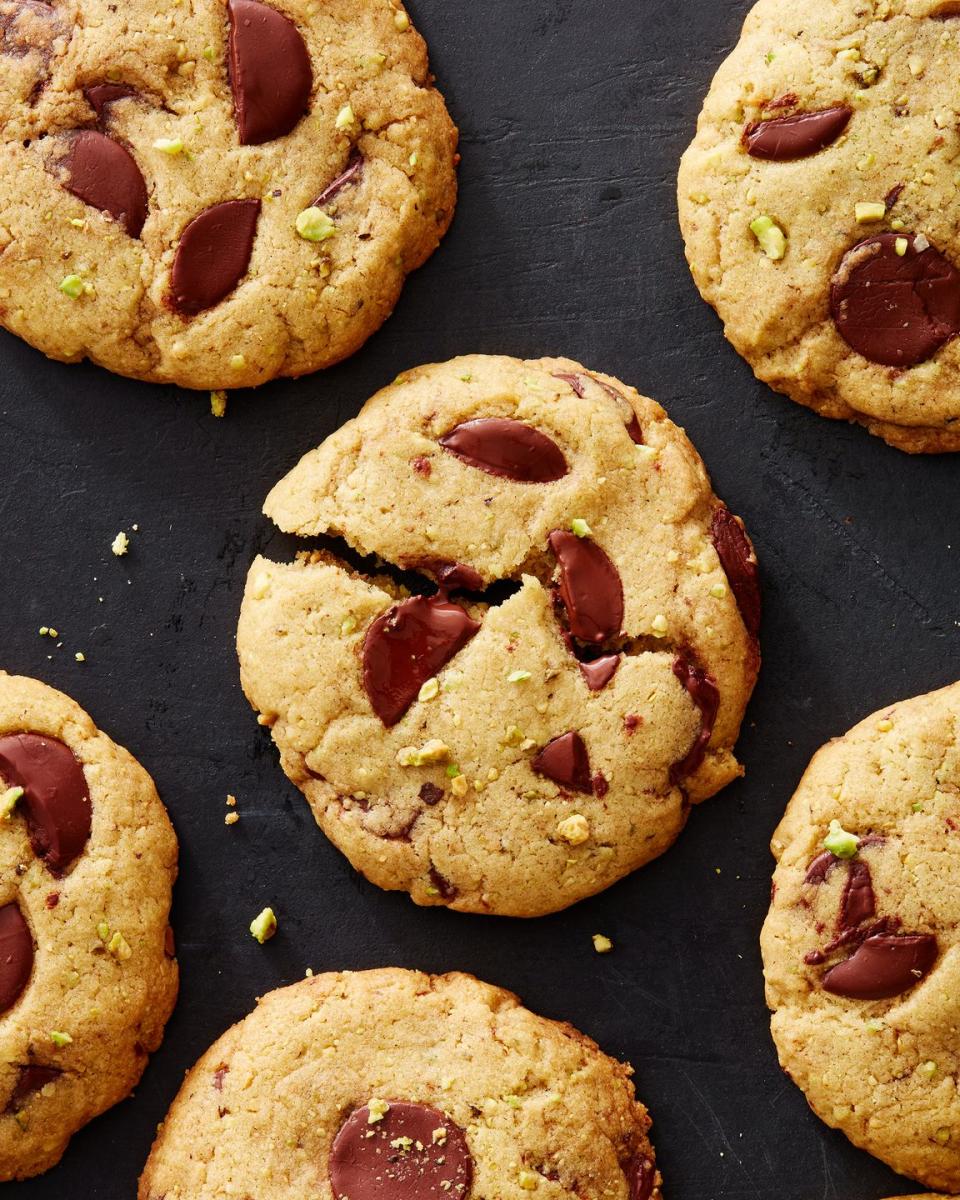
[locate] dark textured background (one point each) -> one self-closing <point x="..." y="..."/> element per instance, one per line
<point x="574" y="116"/>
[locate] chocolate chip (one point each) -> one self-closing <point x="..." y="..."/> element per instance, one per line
<point x="56" y="800"/>
<point x="270" y="72"/>
<point x="886" y="965"/>
<point x="32" y="1078"/>
<point x="858" y="903"/>
<point x="641" y="1175"/>
<point x="407" y="646"/>
<point x="16" y="955"/>
<point x="703" y="691"/>
<point x="896" y="310"/>
<point x="599" y="672"/>
<point x="213" y="255"/>
<point x="103" y="174"/>
<point x="369" y="1161"/>
<point x="101" y="95"/>
<point x="565" y="760"/>
<point x="507" y="448"/>
<point x="430" y="794"/>
<point x="739" y="564"/>
<point x="589" y="587"/>
<point x="352" y="174"/>
<point x="782" y="139"/>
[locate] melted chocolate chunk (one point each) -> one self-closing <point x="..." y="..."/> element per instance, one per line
<point x="352" y="174"/>
<point x="782" y="139"/>
<point x="740" y="565"/>
<point x="445" y="888"/>
<point x="16" y="956"/>
<point x="401" y="1156"/>
<point x="858" y="903"/>
<point x="32" y="1078"/>
<point x="565" y="760"/>
<point x="459" y="576"/>
<point x="599" y="672"/>
<point x="575" y="382"/>
<point x="705" y="694"/>
<point x="821" y="867"/>
<point x="213" y="255"/>
<point x="270" y="72"/>
<point x="103" y="174"/>
<point x="589" y="588"/>
<point x="407" y="646"/>
<point x="507" y="448"/>
<point x="895" y="310"/>
<point x="56" y="800"/>
<point x="886" y="965"/>
<point x="430" y="794"/>
<point x="101" y="95"/>
<point x="641" y="1175"/>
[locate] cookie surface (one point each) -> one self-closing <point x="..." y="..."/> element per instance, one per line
<point x="818" y="205"/>
<point x="87" y="973"/>
<point x="538" y="728"/>
<point x="218" y="195"/>
<point x="395" y="1084"/>
<point x="862" y="953"/>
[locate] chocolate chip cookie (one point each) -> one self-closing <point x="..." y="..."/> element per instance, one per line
<point x="862" y="944"/>
<point x="88" y="976"/>
<point x="396" y="1084"/>
<point x="216" y="194"/>
<point x="818" y="203"/>
<point x="524" y="647"/>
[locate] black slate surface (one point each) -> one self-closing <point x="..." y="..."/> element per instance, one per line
<point x="574" y="117"/>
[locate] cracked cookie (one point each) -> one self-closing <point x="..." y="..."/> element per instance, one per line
<point x="818" y="203"/>
<point x="543" y="660"/>
<point x="861" y="946"/>
<point x="216" y="195"/>
<point x="395" y="1084"/>
<point x="88" y="976"/>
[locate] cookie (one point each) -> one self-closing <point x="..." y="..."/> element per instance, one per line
<point x="817" y="203"/>
<point x="862" y="944"/>
<point x="543" y="660"/>
<point x="217" y="194"/>
<point x="88" y="976"/>
<point x="395" y="1084"/>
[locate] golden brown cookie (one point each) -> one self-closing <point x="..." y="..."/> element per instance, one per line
<point x="88" y="976"/>
<point x="818" y="203"/>
<point x="395" y="1084"/>
<point x="214" y="194"/>
<point x="862" y="944"/>
<point x="526" y="715"/>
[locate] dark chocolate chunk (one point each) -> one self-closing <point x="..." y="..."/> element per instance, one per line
<point x="576" y="383"/>
<point x="407" y="646"/>
<point x="782" y="139"/>
<point x="641" y="1175"/>
<point x="430" y="794"/>
<point x="459" y="576"/>
<point x="886" y="965"/>
<point x="445" y="889"/>
<point x="101" y="95"/>
<point x="590" y="587"/>
<point x="213" y="255"/>
<point x="352" y="174"/>
<point x="705" y="694"/>
<point x="16" y="955"/>
<point x="507" y="448"/>
<point x="821" y="867"/>
<point x="270" y="72"/>
<point x="565" y="761"/>
<point x="103" y="174"/>
<point x="896" y="310"/>
<point x="740" y="565"/>
<point x="858" y="903"/>
<point x="891" y="198"/>
<point x="600" y="671"/>
<point x="56" y="800"/>
<point x="32" y="1078"/>
<point x="400" y="1156"/>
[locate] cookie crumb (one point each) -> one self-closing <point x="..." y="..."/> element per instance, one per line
<point x="8" y="801"/>
<point x="377" y="1110"/>
<point x="218" y="403"/>
<point x="120" y="544"/>
<point x="575" y="830"/>
<point x="602" y="944"/>
<point x="264" y="926"/>
<point x="231" y="818"/>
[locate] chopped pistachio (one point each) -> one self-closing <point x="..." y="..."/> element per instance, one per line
<point x="429" y="690"/>
<point x="8" y="801"/>
<point x="433" y="751"/>
<point x="60" y="1039"/>
<point x="238" y="362"/>
<point x="901" y="245"/>
<point x="885" y="725"/>
<point x="942" y="1135"/>
<point x="840" y="843"/>
<point x="528" y="1180"/>
<point x="119" y="947"/>
<point x="264" y="926"/>
<point x="120" y="544"/>
<point x="218" y="403"/>
<point x="718" y="591"/>
<point x="869" y="210"/>
<point x="314" y="225"/>
<point x="659" y="625"/>
<point x="345" y="118"/>
<point x="208" y="53"/>
<point x="518" y="676"/>
<point x="574" y="830"/>
<point x="171" y="146"/>
<point x="602" y="944"/>
<point x="72" y="286"/>
<point x="928" y="1068"/>
<point x="401" y="21"/>
<point x="376" y="1110"/>
<point x="103" y="931"/>
<point x="772" y="239"/>
<point x="580" y="527"/>
<point x="348" y="625"/>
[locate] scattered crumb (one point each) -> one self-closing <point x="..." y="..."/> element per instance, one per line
<point x="120" y="544"/>
<point x="602" y="944"/>
<point x="218" y="404"/>
<point x="231" y="818"/>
